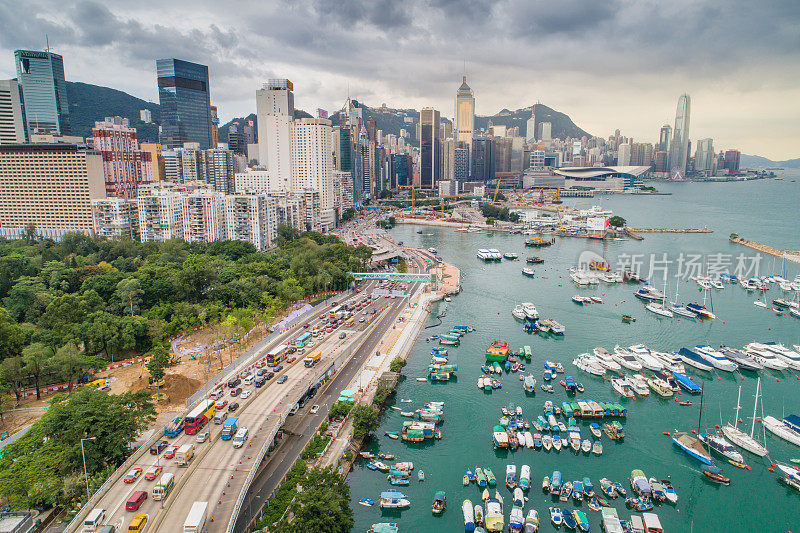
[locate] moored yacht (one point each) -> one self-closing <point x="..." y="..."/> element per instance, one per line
<point x="518" y="312"/>
<point x="790" y="357"/>
<point x="659" y="309"/>
<point x="692" y="358"/>
<point x="721" y="446"/>
<point x="605" y="359"/>
<point x="648" y="292"/>
<point x="671" y="361"/>
<point x="661" y="387"/>
<point x="642" y="353"/>
<point x="623" y="387"/>
<point x="530" y="311"/>
<point x="716" y="358"/>
<point x="589" y="363"/>
<point x="625" y="357"/>
<point x="639" y="384"/>
<point x="741" y="358"/>
<point x="765" y="357"/>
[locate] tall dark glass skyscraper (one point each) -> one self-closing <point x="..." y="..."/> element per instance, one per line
<point x="185" y="97"/>
<point x="429" y="149"/>
<point x="44" y="92"/>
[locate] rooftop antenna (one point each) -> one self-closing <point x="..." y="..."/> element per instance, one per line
<point x="47" y="40"/>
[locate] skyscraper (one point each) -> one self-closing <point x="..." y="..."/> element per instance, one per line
<point x="429" y="150"/>
<point x="679" y="151"/>
<point x="185" y="97"/>
<point x="125" y="166"/>
<point x="664" y="138"/>
<point x="704" y="157"/>
<point x="530" y="129"/>
<point x="44" y="92"/>
<point x="12" y="128"/>
<point x="465" y="115"/>
<point x="275" y="114"/>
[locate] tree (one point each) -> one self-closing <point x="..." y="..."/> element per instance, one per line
<point x="158" y="362"/>
<point x="12" y="337"/>
<point x="365" y="420"/>
<point x="129" y="291"/>
<point x="348" y="214"/>
<point x="397" y="364"/>
<point x="322" y="504"/>
<point x="13" y="373"/>
<point x="70" y="363"/>
<point x="30" y="234"/>
<point x="490" y="221"/>
<point x="38" y="361"/>
<point x="616" y="221"/>
<point x="385" y="193"/>
<point x="392" y="221"/>
<point x="339" y="409"/>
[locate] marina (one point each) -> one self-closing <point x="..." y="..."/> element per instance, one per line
<point x="487" y="302"/>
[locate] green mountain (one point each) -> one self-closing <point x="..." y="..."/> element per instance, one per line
<point x="89" y="103"/>
<point x="561" y="125"/>
<point x="756" y="161"/>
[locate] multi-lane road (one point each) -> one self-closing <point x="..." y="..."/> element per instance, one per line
<point x="217" y="464"/>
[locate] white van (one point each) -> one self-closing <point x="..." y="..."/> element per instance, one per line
<point x="94" y="519"/>
<point x="216" y="394"/>
<point x="248" y="379"/>
<point x="240" y="437"/>
<point x="220" y="417"/>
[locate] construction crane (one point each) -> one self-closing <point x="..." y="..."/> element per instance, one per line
<point x="555" y="192"/>
<point x="496" y="190"/>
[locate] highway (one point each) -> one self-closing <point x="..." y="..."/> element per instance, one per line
<point x="216" y="460"/>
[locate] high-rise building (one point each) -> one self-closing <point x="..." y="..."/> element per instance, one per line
<point x="12" y="126"/>
<point x="679" y="151"/>
<point x="185" y="97"/>
<point x="202" y="216"/>
<point x="624" y="155"/>
<point x="537" y="159"/>
<point x="641" y="154"/>
<point x="252" y="218"/>
<point x="502" y="155"/>
<point x="50" y="186"/>
<point x="446" y="170"/>
<point x="146" y="116"/>
<point x="545" y="132"/>
<point x="465" y="115"/>
<point x="156" y="159"/>
<point x="732" y="161"/>
<point x="125" y="166"/>
<point x="664" y="137"/>
<point x="661" y="159"/>
<point x="115" y="218"/>
<point x="705" y="158"/>
<point x="530" y="129"/>
<point x="159" y="210"/>
<point x="461" y="164"/>
<point x="219" y="170"/>
<point x="400" y="170"/>
<point x="214" y="127"/>
<point x="275" y="115"/>
<point x="312" y="162"/>
<point x="430" y="151"/>
<point x="482" y="159"/>
<point x="44" y="92"/>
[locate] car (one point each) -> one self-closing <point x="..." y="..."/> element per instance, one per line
<point x="365" y="312"/>
<point x="269" y="375"/>
<point x="170" y="453"/>
<point x="259" y="382"/>
<point x="158" y="447"/>
<point x="322" y="316"/>
<point x="246" y="394"/>
<point x="361" y="319"/>
<point x="306" y="325"/>
<point x="291" y="359"/>
<point x="236" y="391"/>
<point x="291" y="349"/>
<point x="132" y="475"/>
<point x="342" y="335"/>
<point x="233" y="383"/>
<point x="314" y="409"/>
<point x="221" y="404"/>
<point x="203" y="436"/>
<point x="234" y="406"/>
<point x="153" y="472"/>
<point x="278" y="368"/>
<point x="261" y="371"/>
<point x="282" y="379"/>
<point x="372" y="312"/>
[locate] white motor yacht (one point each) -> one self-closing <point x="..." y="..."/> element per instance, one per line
<point x="790" y="357"/>
<point x="605" y="359"/>
<point x="589" y="363"/>
<point x="639" y="384"/>
<point x="715" y="357"/>
<point x="671" y="361"/>
<point x="625" y="357"/>
<point x="642" y="353"/>
<point x="518" y="312"/>
<point x="623" y="386"/>
<point x="530" y="311"/>
<point x="765" y="357"/>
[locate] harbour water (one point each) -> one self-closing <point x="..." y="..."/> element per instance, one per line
<point x="764" y="211"/>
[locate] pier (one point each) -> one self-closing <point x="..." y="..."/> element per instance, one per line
<point x="670" y="230"/>
<point x="790" y="255"/>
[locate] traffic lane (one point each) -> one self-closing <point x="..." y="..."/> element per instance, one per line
<point x="216" y="468"/>
<point x="304" y="430"/>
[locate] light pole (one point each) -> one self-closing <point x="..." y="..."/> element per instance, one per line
<point x="85" y="474"/>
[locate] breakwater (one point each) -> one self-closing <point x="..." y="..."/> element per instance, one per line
<point x="790" y="255"/>
<point x="670" y="230"/>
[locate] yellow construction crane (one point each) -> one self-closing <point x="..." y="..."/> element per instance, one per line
<point x="496" y="190"/>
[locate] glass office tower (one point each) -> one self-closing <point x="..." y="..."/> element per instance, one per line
<point x="44" y="92"/>
<point x="184" y="94"/>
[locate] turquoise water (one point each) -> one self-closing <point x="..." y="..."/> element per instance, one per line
<point x="763" y="211"/>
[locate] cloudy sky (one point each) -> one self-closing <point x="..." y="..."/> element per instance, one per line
<point x="608" y="64"/>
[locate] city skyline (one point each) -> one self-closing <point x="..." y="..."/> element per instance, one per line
<point x="739" y="69"/>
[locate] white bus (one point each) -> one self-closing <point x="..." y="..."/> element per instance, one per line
<point x="164" y="486"/>
<point x="196" y="519"/>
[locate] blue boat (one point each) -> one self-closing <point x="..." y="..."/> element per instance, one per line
<point x="439" y="351"/>
<point x="486" y="369"/>
<point x="685" y="383"/>
<point x="570" y="384"/>
<point x="792" y="422"/>
<point x="461" y="327"/>
<point x="550" y="366"/>
<point x="692" y="357"/>
<point x="508" y="366"/>
<point x="692" y="446"/>
<point x="569" y="520"/>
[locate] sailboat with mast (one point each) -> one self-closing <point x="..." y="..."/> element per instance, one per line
<point x="701" y="310"/>
<point x="691" y="444"/>
<point x="680" y="309"/>
<point x="739" y="437"/>
<point x="659" y="308"/>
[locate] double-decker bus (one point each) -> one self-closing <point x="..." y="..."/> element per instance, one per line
<point x="199" y="417"/>
<point x="276" y="355"/>
<point x="303" y="339"/>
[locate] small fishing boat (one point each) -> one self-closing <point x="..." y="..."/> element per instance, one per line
<point x="556" y="516"/>
<point x="555" y="483"/>
<point x="714" y="473"/>
<point x="620" y="489"/>
<point x="577" y="491"/>
<point x="466" y="480"/>
<point x="640" y="484"/>
<point x="594" y="427"/>
<point x="392" y="434"/>
<point x="387" y="456"/>
<point x="547" y="442"/>
<point x="490" y="479"/>
<point x="420" y="476"/>
<point x="569" y="520"/>
<point x="593" y="503"/>
<point x="393" y="500"/>
<point x="479" y="517"/>
<point x="378" y="465"/>
<point x="628" y="318"/>
<point x="557" y="443"/>
<point x="528" y="272"/>
<point x="597" y="448"/>
<point x="532" y="521"/>
<point x="439" y="502"/>
<point x="669" y="490"/>
<point x="525" y="477"/>
<point x="546" y="484"/>
<point x="469" y="515"/>
<point x="586" y="446"/>
<point x="511" y="476"/>
<point x="366" y="502"/>
<point x="480" y="477"/>
<point x="366" y="455"/>
<point x="659" y="494"/>
<point x="581" y="520"/>
<point x="566" y="491"/>
<point x="535" y="260"/>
